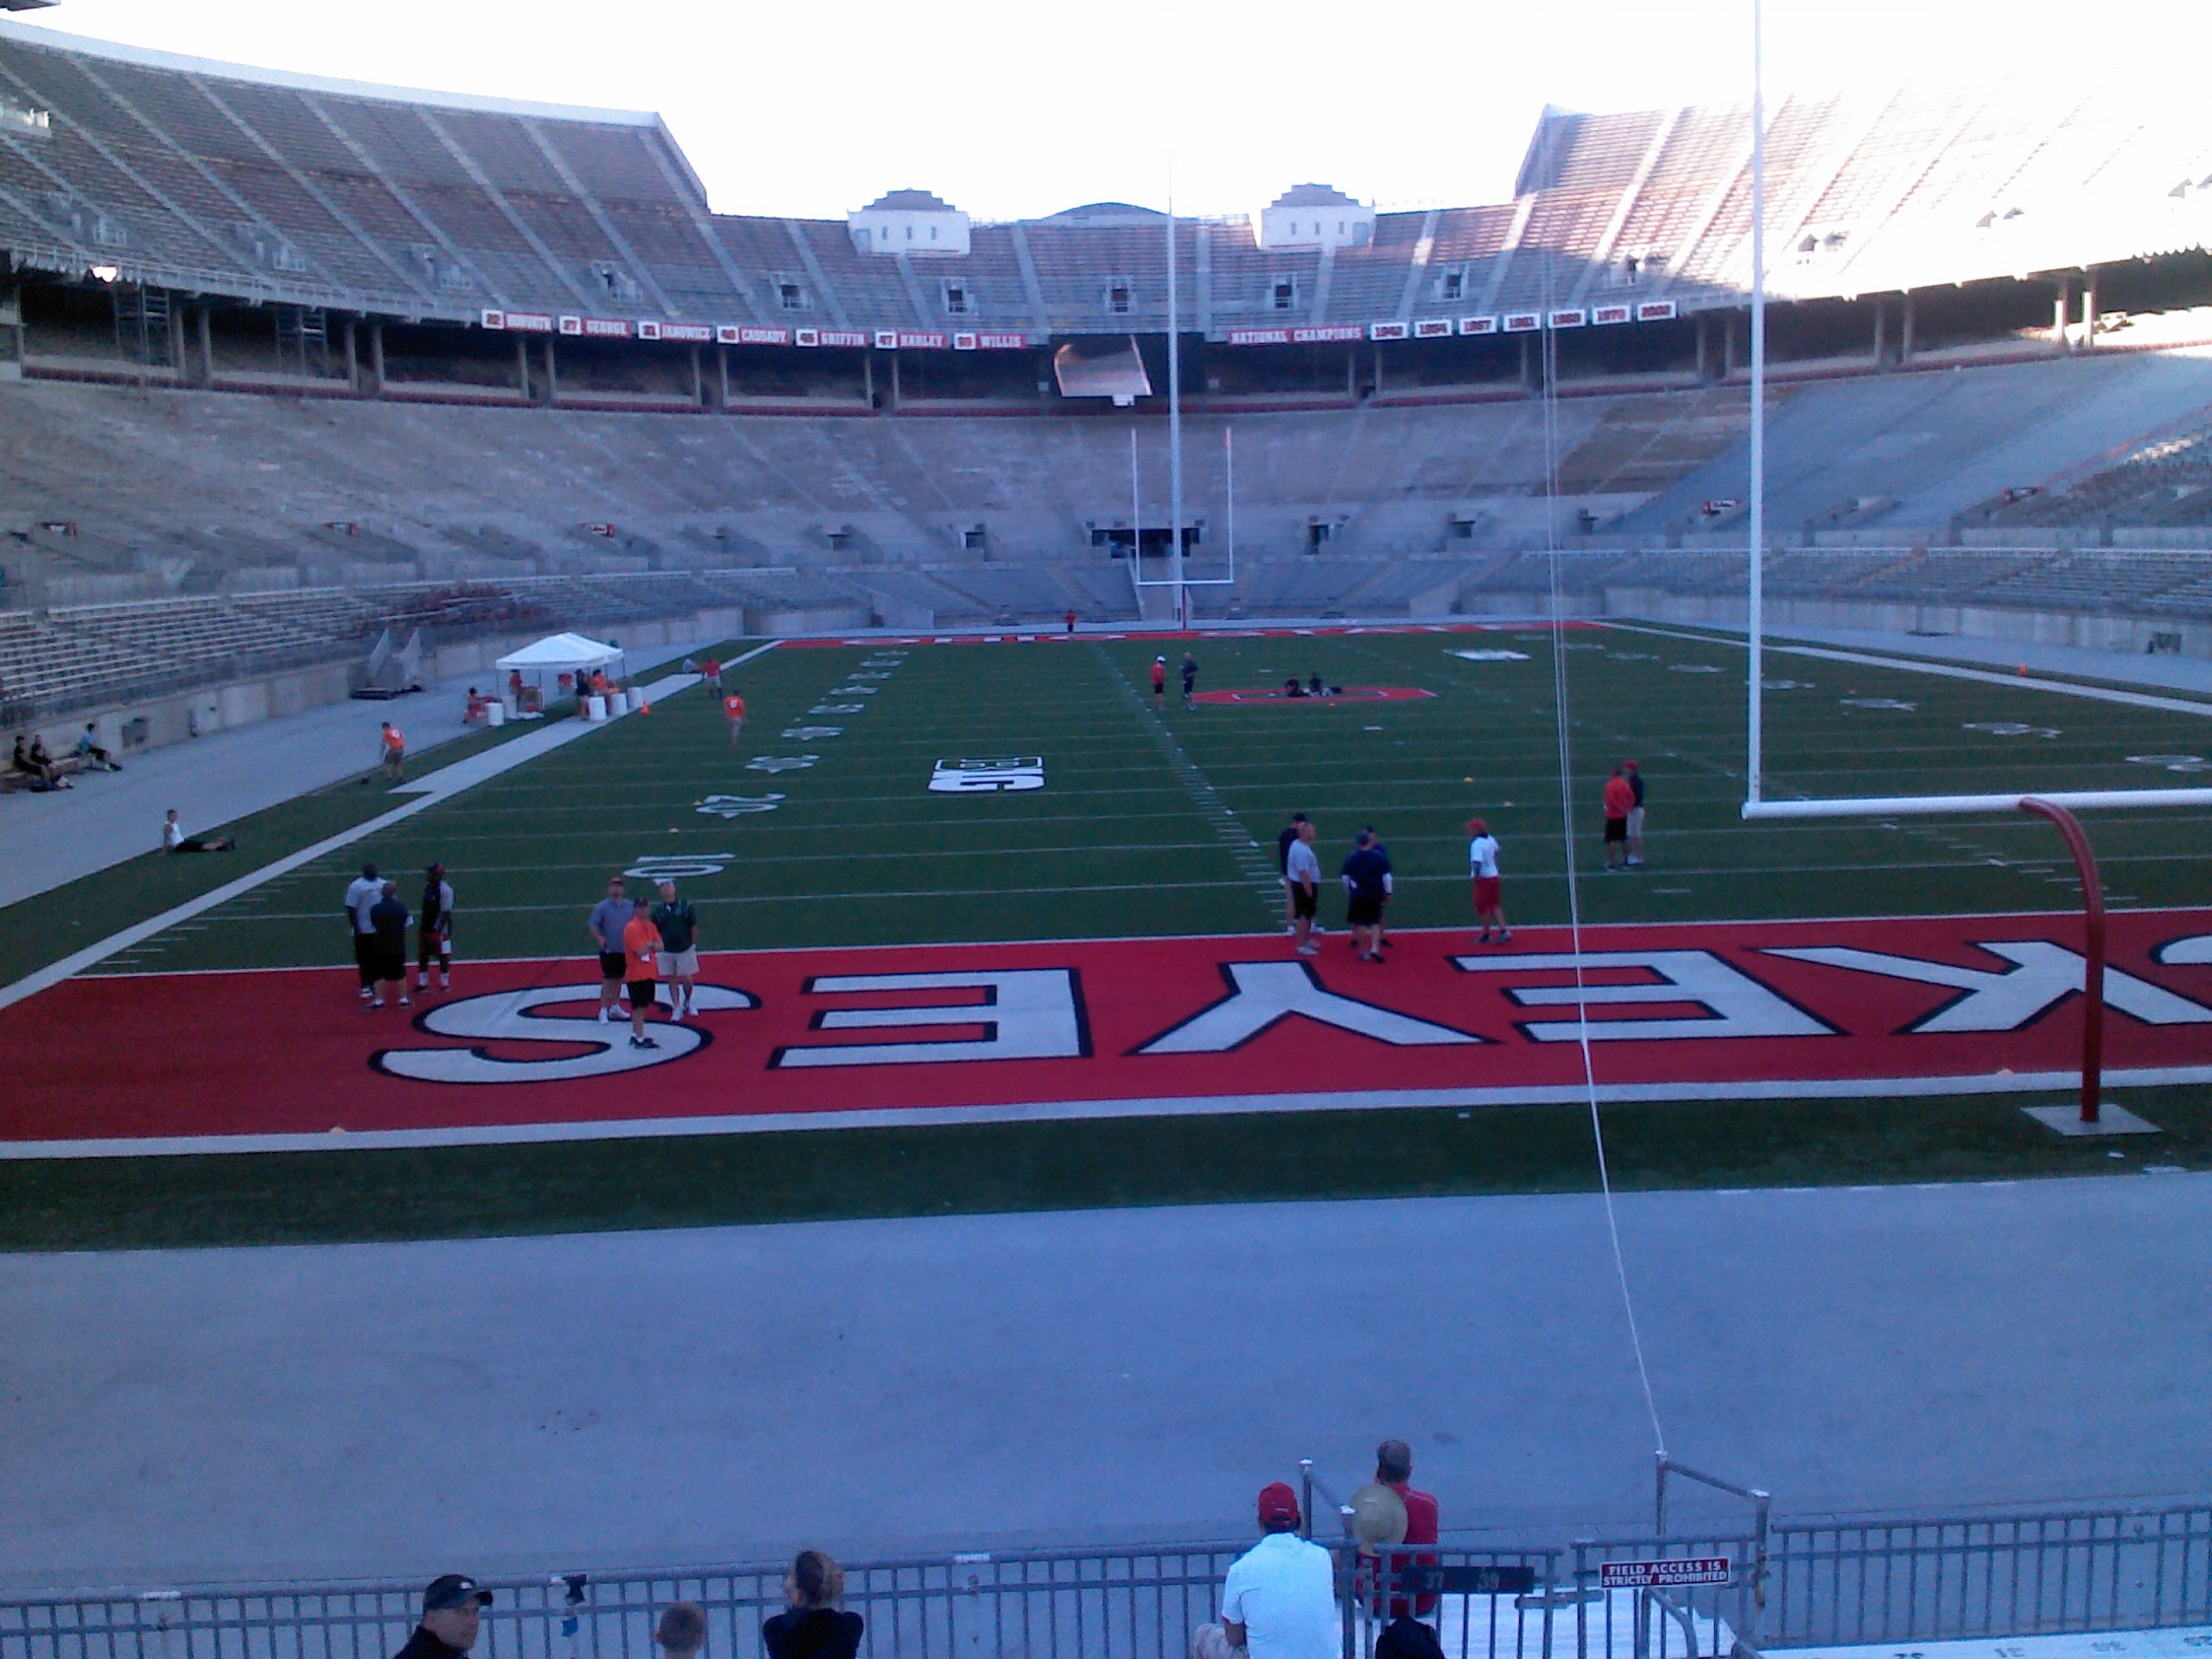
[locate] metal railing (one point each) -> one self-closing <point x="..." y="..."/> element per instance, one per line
<point x="1826" y="1584"/>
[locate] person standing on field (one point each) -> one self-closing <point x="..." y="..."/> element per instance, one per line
<point x="433" y="930"/>
<point x="1636" y="817"/>
<point x="733" y="711"/>
<point x="640" y="963"/>
<point x="1367" y="881"/>
<point x="1190" y="679"/>
<point x="1482" y="867"/>
<point x="608" y="918"/>
<point x="679" y="950"/>
<point x="361" y="896"/>
<point x="390" y="918"/>
<point x="1158" y="683"/>
<point x="1302" y="874"/>
<point x="395" y="754"/>
<point x="1619" y="798"/>
<point x="714" y="674"/>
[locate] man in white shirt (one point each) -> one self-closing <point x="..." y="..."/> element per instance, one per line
<point x="1482" y="866"/>
<point x="1280" y="1599"/>
<point x="1302" y="874"/>
<point x="362" y="895"/>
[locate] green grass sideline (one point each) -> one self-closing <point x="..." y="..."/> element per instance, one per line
<point x="693" y="1181"/>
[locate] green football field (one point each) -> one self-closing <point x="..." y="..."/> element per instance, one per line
<point x="1164" y="821"/>
<point x="819" y="828"/>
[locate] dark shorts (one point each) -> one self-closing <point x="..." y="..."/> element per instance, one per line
<point x="1301" y="901"/>
<point x="1615" y="829"/>
<point x="611" y="963"/>
<point x="436" y="942"/>
<point x="1363" y="912"/>
<point x="641" y="992"/>
<point x="391" y="962"/>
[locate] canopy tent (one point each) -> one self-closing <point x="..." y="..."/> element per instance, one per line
<point x="561" y="654"/>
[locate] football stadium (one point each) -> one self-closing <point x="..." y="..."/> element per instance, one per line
<point x="690" y="892"/>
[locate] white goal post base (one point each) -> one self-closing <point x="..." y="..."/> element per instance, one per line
<point x="1904" y="806"/>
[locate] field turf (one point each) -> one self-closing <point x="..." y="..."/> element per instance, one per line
<point x="819" y="828"/>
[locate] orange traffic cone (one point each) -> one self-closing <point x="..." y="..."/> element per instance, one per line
<point x="645" y="708"/>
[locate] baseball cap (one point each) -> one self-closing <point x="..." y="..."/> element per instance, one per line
<point x="1278" y="1504"/>
<point x="454" y="1590"/>
<point x="1477" y="826"/>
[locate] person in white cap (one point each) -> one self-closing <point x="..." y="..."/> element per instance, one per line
<point x="1158" y="683"/>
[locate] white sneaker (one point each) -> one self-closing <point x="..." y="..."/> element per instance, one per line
<point x="1309" y="950"/>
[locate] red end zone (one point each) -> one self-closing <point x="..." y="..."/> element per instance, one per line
<point x="1006" y="1031"/>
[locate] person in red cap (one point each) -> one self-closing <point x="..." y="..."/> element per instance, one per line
<point x="1482" y="866"/>
<point x="1280" y="1599"/>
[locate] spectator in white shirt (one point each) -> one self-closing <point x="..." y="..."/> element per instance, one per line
<point x="1280" y="1599"/>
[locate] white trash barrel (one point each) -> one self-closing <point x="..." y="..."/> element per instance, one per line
<point x="495" y="714"/>
<point x="594" y="707"/>
<point x="618" y="703"/>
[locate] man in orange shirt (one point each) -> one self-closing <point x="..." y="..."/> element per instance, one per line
<point x="1620" y="796"/>
<point x="395" y="754"/>
<point x="641" y="954"/>
<point x="733" y="711"/>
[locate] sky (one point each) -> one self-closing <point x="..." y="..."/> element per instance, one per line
<point x="1016" y="111"/>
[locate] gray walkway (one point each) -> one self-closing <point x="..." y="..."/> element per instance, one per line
<point x="544" y="1403"/>
<point x="45" y="840"/>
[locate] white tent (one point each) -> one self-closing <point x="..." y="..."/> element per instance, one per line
<point x="562" y="653"/>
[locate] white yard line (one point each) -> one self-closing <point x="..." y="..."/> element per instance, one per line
<point x="1942" y="670"/>
<point x="439" y="787"/>
<point x="1046" y="1111"/>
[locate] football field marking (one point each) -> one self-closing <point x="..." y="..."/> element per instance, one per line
<point x="440" y="786"/>
<point x="1945" y="671"/>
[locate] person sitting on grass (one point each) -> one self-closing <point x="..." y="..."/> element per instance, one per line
<point x="88" y="750"/>
<point x="174" y="839"/>
<point x="474" y="713"/>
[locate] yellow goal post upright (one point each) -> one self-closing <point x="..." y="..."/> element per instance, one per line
<point x="2056" y="805"/>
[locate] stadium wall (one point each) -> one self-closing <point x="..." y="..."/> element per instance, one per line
<point x="146" y="724"/>
<point x="2133" y="635"/>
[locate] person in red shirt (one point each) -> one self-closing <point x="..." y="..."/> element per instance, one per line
<point x="713" y="671"/>
<point x="1071" y="621"/>
<point x="1158" y="683"/>
<point x="1394" y="1467"/>
<point x="1620" y="797"/>
<point x="395" y="754"/>
<point x="733" y="711"/>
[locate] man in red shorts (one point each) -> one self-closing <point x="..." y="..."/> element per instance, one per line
<point x="1482" y="865"/>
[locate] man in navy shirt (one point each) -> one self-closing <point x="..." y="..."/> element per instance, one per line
<point x="1367" y="882"/>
